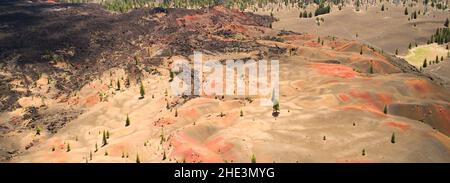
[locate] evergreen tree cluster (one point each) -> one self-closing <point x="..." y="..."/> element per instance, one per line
<point x="322" y="9"/>
<point x="441" y="36"/>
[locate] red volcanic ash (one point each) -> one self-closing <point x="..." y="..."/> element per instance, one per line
<point x="334" y="70"/>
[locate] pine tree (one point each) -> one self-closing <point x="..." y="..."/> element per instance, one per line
<point x="324" y="138"/>
<point x="107" y="134"/>
<point x="171" y="76"/>
<point x="276" y="107"/>
<point x="106" y="153"/>
<point x="409" y="46"/>
<point x="446" y="24"/>
<point x="127" y="121"/>
<point x="96" y="147"/>
<point x="396" y="51"/>
<point x="406" y="11"/>
<point x="90" y="155"/>
<point x="164" y="155"/>
<point x="53" y="148"/>
<point x="241" y="113"/>
<point x="382" y="7"/>
<point x="137" y="159"/>
<point x="364" y="152"/>
<point x="371" y="69"/>
<point x="361" y="51"/>
<point x="393" y="138"/>
<point x="142" y="90"/>
<point x="104" y="140"/>
<point x="38" y="131"/>
<point x="253" y="159"/>
<point x="68" y="147"/>
<point x="424" y="63"/>
<point x="385" y="110"/>
<point x="118" y="85"/>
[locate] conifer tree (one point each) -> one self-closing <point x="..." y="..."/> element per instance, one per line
<point x="142" y="90"/>
<point x="393" y="138"/>
<point x="127" y="121"/>
<point x="104" y="140"/>
<point x="38" y="131"/>
<point x="68" y="147"/>
<point x="371" y="69"/>
<point x="253" y="159"/>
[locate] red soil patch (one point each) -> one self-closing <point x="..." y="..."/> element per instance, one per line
<point x="363" y="107"/>
<point x="419" y="85"/>
<point x="219" y="145"/>
<point x="444" y="112"/>
<point x="401" y="125"/>
<point x="191" y="150"/>
<point x="368" y="102"/>
<point x="384" y="98"/>
<point x="361" y="94"/>
<point x="335" y="70"/>
<point x="344" y="97"/>
<point x="191" y="17"/>
<point x="92" y="100"/>
<point x="117" y="149"/>
<point x="191" y="113"/>
<point x="312" y="44"/>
